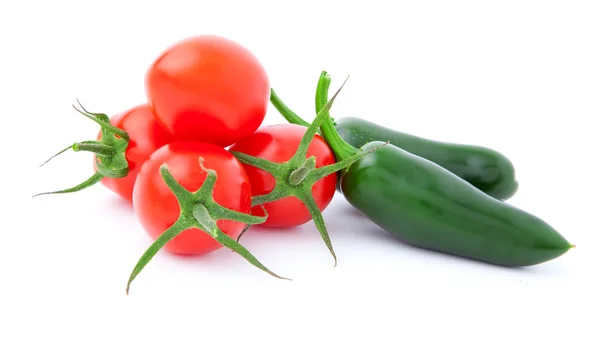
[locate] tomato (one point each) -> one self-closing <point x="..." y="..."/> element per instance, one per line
<point x="278" y="143"/>
<point x="157" y="208"/>
<point x="208" y="88"/>
<point x="146" y="136"/>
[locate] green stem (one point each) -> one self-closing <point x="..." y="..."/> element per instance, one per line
<point x="340" y="165"/>
<point x="322" y="92"/>
<point x="309" y="135"/>
<point x="301" y="172"/>
<point x="286" y="112"/>
<point x="339" y="146"/>
<point x="199" y="210"/>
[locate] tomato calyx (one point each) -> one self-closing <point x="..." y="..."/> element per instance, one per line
<point x="111" y="161"/>
<point x="199" y="210"/>
<point x="297" y="176"/>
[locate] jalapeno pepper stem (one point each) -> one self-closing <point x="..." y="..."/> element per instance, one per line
<point x="339" y="146"/>
<point x="199" y="210"/>
<point x="111" y="161"/>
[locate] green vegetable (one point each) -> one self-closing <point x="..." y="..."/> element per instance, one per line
<point x="428" y="206"/>
<point x="486" y="169"/>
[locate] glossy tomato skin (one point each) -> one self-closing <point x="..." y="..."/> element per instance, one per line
<point x="146" y="134"/>
<point x="157" y="208"/>
<point x="278" y="143"/>
<point x="209" y="89"/>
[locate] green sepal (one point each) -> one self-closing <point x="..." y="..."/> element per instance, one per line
<point x="200" y="210"/>
<point x="111" y="161"/>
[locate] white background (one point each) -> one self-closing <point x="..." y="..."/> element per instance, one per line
<point x="522" y="77"/>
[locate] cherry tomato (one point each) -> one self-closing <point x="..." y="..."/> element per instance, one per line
<point x="208" y="88"/>
<point x="157" y="208"/>
<point x="146" y="136"/>
<point x="278" y="143"/>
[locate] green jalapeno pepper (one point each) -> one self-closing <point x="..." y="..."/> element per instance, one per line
<point x="486" y="169"/>
<point x="428" y="206"/>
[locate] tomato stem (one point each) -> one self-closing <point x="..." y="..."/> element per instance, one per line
<point x="285" y="111"/>
<point x="301" y="172"/>
<point x="199" y="210"/>
<point x="288" y="114"/>
<point x="297" y="176"/>
<point x="111" y="161"/>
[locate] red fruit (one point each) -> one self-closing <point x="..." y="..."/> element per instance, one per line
<point x="208" y="88"/>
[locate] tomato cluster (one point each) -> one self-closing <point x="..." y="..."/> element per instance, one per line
<point x="168" y="156"/>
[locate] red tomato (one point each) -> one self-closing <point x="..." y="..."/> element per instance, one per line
<point x="146" y="137"/>
<point x="278" y="143"/>
<point x="208" y="88"/>
<point x="157" y="208"/>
